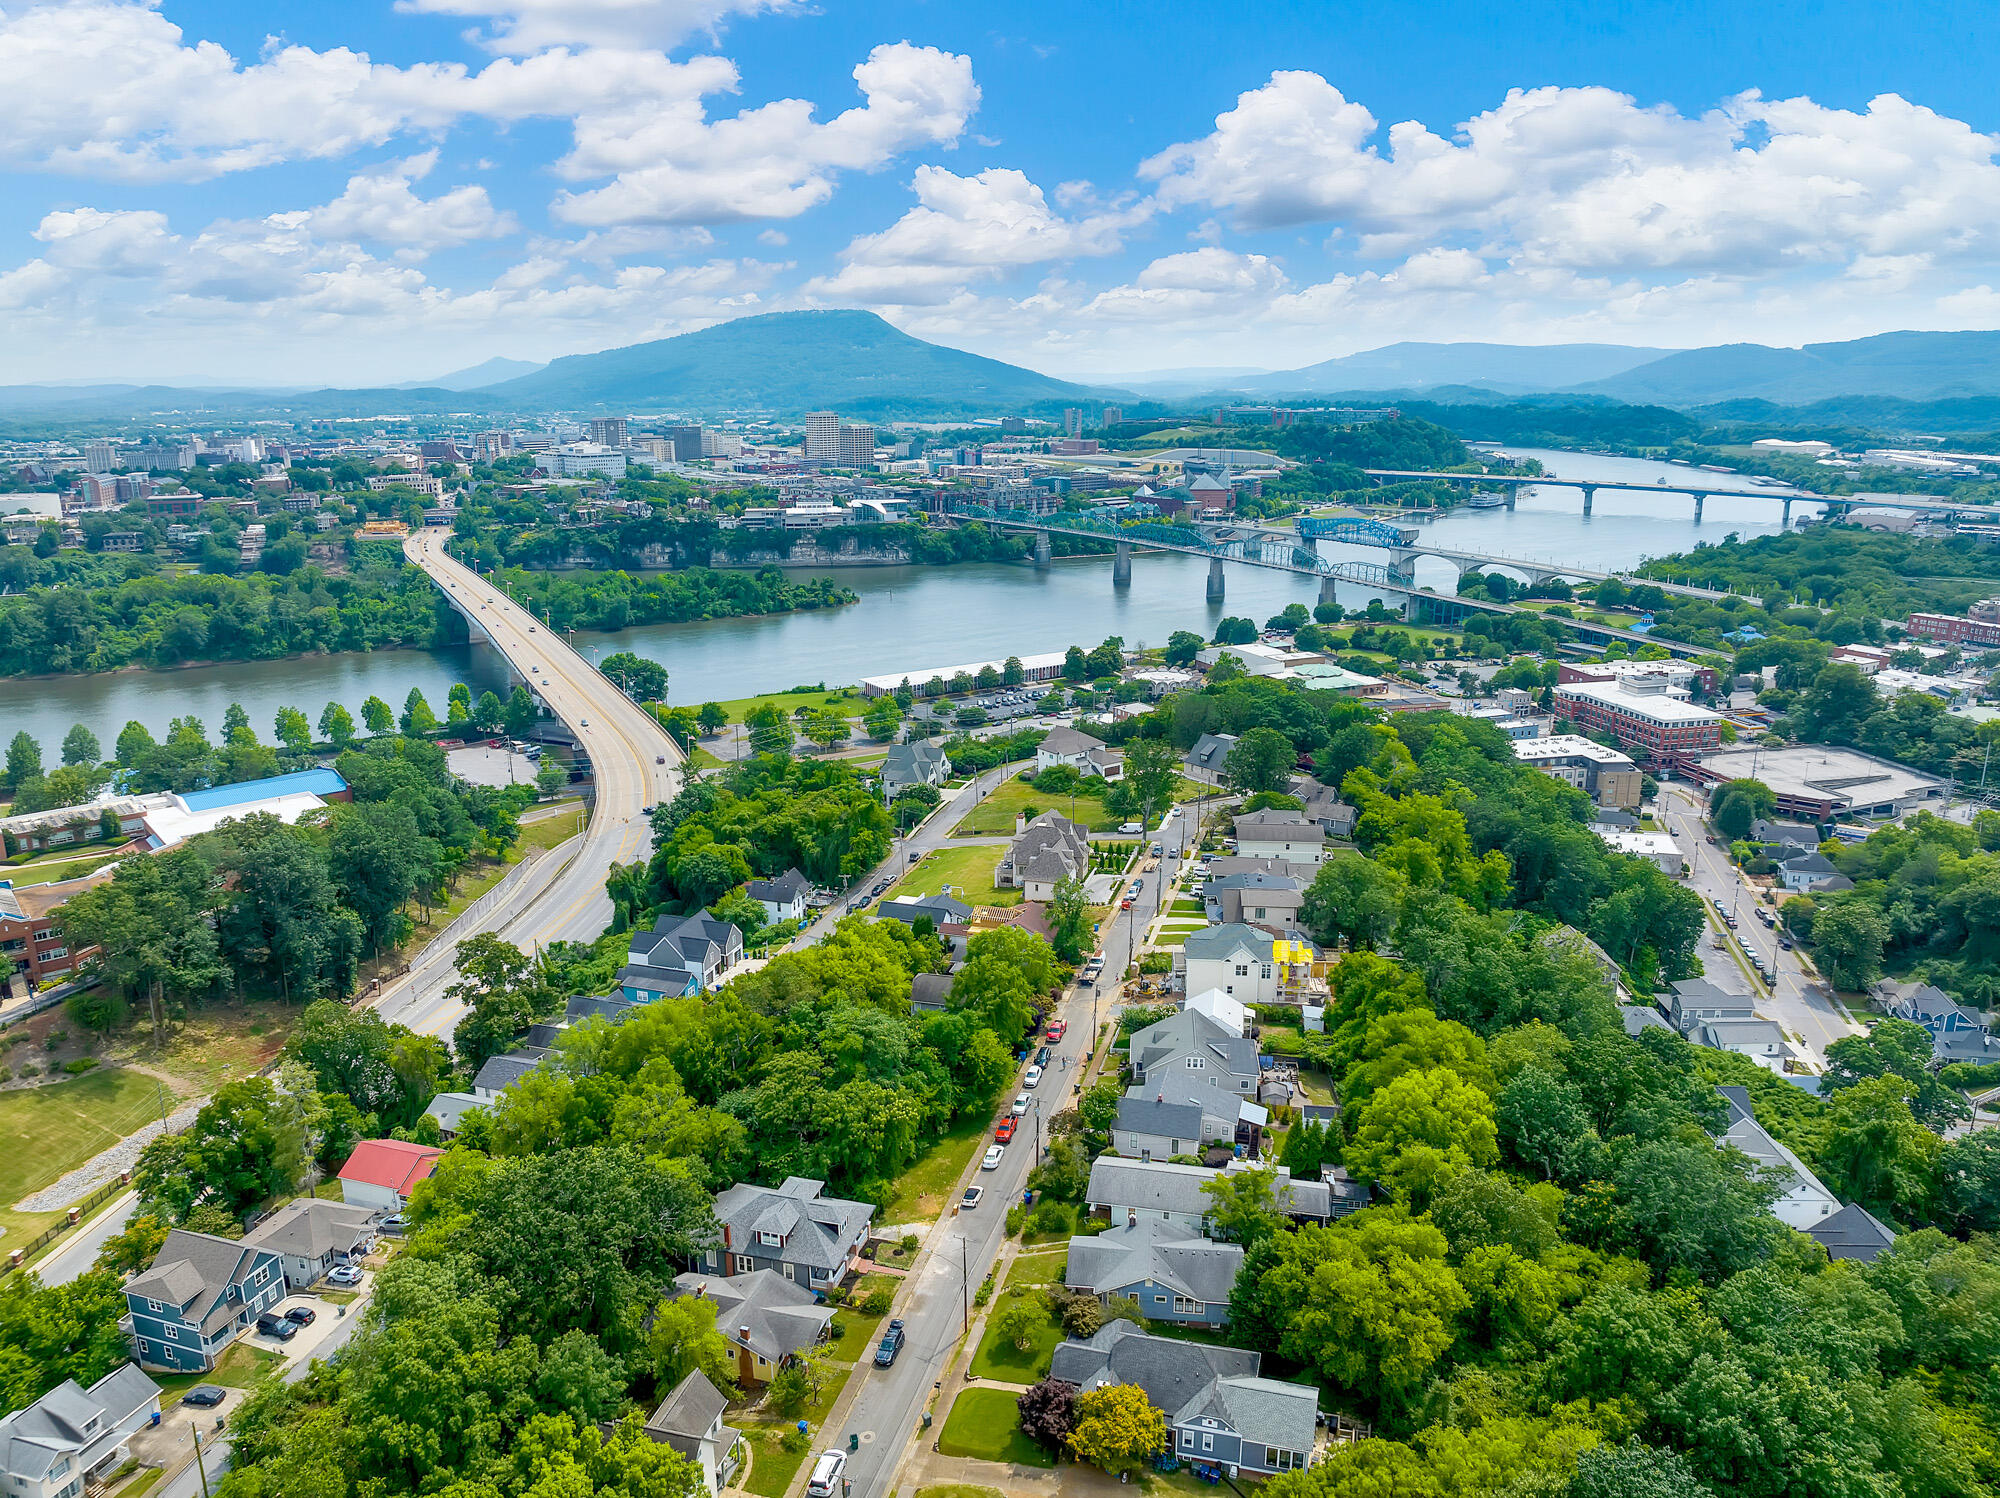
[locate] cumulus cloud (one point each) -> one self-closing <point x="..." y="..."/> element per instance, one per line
<point x="671" y="165"/>
<point x="531" y="25"/>
<point x="380" y="207"/>
<point x="968" y="228"/>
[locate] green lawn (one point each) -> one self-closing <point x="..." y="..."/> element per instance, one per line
<point x="959" y="1490"/>
<point x="854" y="1335"/>
<point x="702" y="759"/>
<point x="848" y="699"/>
<point x="1174" y="938"/>
<point x="772" y="1468"/>
<point x="549" y="831"/>
<point x="52" y="871"/>
<point x="1037" y="1268"/>
<point x="927" y="1187"/>
<point x="968" y="870"/>
<point x="997" y="812"/>
<point x="51" y="1130"/>
<point x="240" y="1367"/>
<point x="985" y="1423"/>
<point x="1004" y="1361"/>
<point x="1187" y="907"/>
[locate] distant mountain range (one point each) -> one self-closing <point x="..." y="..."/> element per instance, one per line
<point x="478" y="377"/>
<point x="851" y="362"/>
<point x="1903" y="366"/>
<point x="1509" y="369"/>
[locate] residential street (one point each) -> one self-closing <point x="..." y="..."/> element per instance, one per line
<point x="1801" y="1003"/>
<point x="78" y="1252"/>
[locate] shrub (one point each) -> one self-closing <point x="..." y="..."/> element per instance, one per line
<point x="794" y="1440"/>
<point x="31" y="1070"/>
<point x="1050" y="1217"/>
<point x="6" y="1073"/>
<point x="1016" y="1216"/>
<point x="907" y="1243"/>
<point x="879" y="1300"/>
<point x="1082" y="1317"/>
<point x="984" y="1293"/>
<point x="80" y="1065"/>
<point x="835" y="1295"/>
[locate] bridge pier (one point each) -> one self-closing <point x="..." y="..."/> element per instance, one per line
<point x="1121" y="565"/>
<point x="1589" y="494"/>
<point x="1215" y="579"/>
<point x="1044" y="550"/>
<point x="1697" y="508"/>
<point x="1785" y="523"/>
<point x="1513" y="494"/>
<point x="1328" y="591"/>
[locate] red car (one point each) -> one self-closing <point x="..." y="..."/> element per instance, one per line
<point x="1004" y="1131"/>
<point x="1057" y="1030"/>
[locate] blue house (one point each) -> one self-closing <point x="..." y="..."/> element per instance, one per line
<point x="1173" y="1272"/>
<point x="202" y="1293"/>
<point x="685" y="954"/>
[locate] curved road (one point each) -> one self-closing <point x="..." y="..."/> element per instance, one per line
<point x="559" y="897"/>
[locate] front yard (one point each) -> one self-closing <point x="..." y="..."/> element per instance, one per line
<point x="986" y="1424"/>
<point x="998" y="1358"/>
<point x="969" y="871"/>
<point x="929" y="1186"/>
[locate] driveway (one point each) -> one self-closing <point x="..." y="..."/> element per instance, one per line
<point x="328" y="1318"/>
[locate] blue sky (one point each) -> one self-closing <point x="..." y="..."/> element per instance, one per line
<point x="366" y="191"/>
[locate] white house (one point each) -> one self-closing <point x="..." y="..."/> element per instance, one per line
<point x="1806" y="1202"/>
<point x="1232" y="1014"/>
<point x="690" y="1420"/>
<point x="1281" y="834"/>
<point x="783" y="898"/>
<point x="1236" y="959"/>
<point x="1088" y="756"/>
<point x="381" y="1173"/>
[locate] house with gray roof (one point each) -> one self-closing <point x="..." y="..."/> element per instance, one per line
<point x="72" y="1438"/>
<point x="690" y="1420"/>
<point x="1235" y="957"/>
<point x="686" y="954"/>
<point x="1957" y="1032"/>
<point x="1254" y="899"/>
<point x="1175" y="1275"/>
<point x="1044" y="852"/>
<point x="1273" y="833"/>
<point x="1087" y="755"/>
<point x="1324" y="807"/>
<point x="1693" y="1001"/>
<point x="1806" y="1201"/>
<point x="919" y="762"/>
<point x="1853" y="1233"/>
<point x="448" y="1110"/>
<point x="1639" y="1018"/>
<point x="930" y="993"/>
<point x="1205" y="760"/>
<point x="1219" y="1410"/>
<point x="1762" y="1040"/>
<point x="793" y="1231"/>
<point x="766" y="1318"/>
<point x="613" y="1007"/>
<point x="310" y="1236"/>
<point x="1148" y="1128"/>
<point x="943" y="910"/>
<point x="498" y="1073"/>
<point x="1190" y="1057"/>
<point x="1800" y="836"/>
<point x="1156" y="1191"/>
<point x="783" y="898"/>
<point x="1811" y="871"/>
<point x="202" y="1293"/>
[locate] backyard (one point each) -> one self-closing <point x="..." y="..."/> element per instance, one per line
<point x="969" y="871"/>
<point x="985" y="1423"/>
<point x="1011" y="797"/>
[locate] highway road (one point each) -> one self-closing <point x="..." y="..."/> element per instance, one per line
<point x="1801" y="1003"/>
<point x="636" y="765"/>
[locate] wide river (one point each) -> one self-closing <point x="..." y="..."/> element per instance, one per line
<point x="916" y="618"/>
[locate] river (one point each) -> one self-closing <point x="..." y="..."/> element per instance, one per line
<point x="916" y="618"/>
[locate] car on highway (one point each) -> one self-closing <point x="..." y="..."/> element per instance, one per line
<point x="271" y="1324"/>
<point x="974" y="1195"/>
<point x="204" y="1396"/>
<point x="1020" y="1104"/>
<point x="1032" y="1077"/>
<point x="343" y="1274"/>
<point x="995" y="1153"/>
<point x="583" y="722"/>
<point x="891" y="1344"/>
<point x="1785" y="942"/>
<point x="531" y="629"/>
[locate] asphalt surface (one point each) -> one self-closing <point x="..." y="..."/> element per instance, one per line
<point x="886" y="1414"/>
<point x="560" y="896"/>
<point x="77" y="1254"/>
<point x="1802" y="1004"/>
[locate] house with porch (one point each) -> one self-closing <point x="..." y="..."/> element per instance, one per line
<point x="1044" y="852"/>
<point x="689" y="1419"/>
<point x="783" y="898"/>
<point x="201" y="1294"/>
<point x="1219" y="1410"/>
<point x="766" y="1319"/>
<point x="794" y="1231"/>
<point x="1274" y="833"/>
<point x="1176" y="1275"/>
<point x="72" y="1439"/>
<point x="310" y="1236"/>
<point x="684" y="954"/>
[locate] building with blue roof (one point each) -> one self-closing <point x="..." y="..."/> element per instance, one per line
<point x="324" y="782"/>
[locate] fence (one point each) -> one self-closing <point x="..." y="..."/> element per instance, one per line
<point x="83" y="1209"/>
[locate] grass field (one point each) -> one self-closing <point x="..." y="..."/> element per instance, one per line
<point x="985" y="1423"/>
<point x="211" y="1046"/>
<point x="241" y="1366"/>
<point x="996" y="813"/>
<point x="772" y="1468"/>
<point x="855" y="1335"/>
<point x="848" y="699"/>
<point x="926" y="1188"/>
<point x="53" y="870"/>
<point x="549" y="831"/>
<point x="1037" y="1268"/>
<point x="959" y="1490"/>
<point x="53" y="1129"/>
<point x="1001" y="1359"/>
<point x="968" y="870"/>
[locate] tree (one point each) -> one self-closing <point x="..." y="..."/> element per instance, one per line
<point x="711" y="716"/>
<point x="1902" y="1048"/>
<point x="1182" y="647"/>
<point x="1635" y="1470"/>
<point x="827" y="727"/>
<point x="1847" y="943"/>
<point x="1353" y="898"/>
<point x="1243" y="1206"/>
<point x="293" y="730"/>
<point x="247" y="1145"/>
<point x="487" y="712"/>
<point x="1544" y="1125"/>
<point x="134" y="742"/>
<point x="1117" y="1428"/>
<point x="521" y="714"/>
<point x="1152" y="770"/>
<point x="640" y="679"/>
<point x="551" y="775"/>
<point x="683" y="1340"/>
<point x="51" y="1333"/>
<point x="24" y="759"/>
<point x="1969" y="1183"/>
<point x="881" y="718"/>
<point x="135" y="1247"/>
<point x="1735" y="804"/>
<point x="771" y="732"/>
<point x="378" y="716"/>
<point x="1876" y="1153"/>
<point x="1260" y="760"/>
<point x="1419" y="1125"/>
<point x="1018" y="1323"/>
<point x="1048" y="1412"/>
<point x="1069" y="919"/>
<point x="80" y="747"/>
<point x="336" y="725"/>
<point x="503" y="989"/>
<point x="1833" y="708"/>
<point x="418" y="720"/>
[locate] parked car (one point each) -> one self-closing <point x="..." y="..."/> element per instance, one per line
<point x="1058" y="1029"/>
<point x="271" y="1324"/>
<point x="343" y="1274"/>
<point x="1032" y="1077"/>
<point x="1020" y="1104"/>
<point x="994" y="1155"/>
<point x="1042" y="1056"/>
<point x="204" y="1396"/>
<point x="890" y="1345"/>
<point x="395" y="1222"/>
<point x="1785" y="942"/>
<point x="826" y="1473"/>
<point x="974" y="1195"/>
<point x="1004" y="1130"/>
<point x="302" y="1315"/>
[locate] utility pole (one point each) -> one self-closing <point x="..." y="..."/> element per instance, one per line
<point x="964" y="1291"/>
<point x="199" y="1470"/>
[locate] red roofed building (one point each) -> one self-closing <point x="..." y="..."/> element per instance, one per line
<point x="383" y="1172"/>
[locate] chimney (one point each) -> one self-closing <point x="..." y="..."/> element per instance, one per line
<point x="743" y="1333"/>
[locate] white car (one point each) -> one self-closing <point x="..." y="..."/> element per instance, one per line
<point x="1020" y="1104"/>
<point x="1033" y="1078"/>
<point x="994" y="1155"/>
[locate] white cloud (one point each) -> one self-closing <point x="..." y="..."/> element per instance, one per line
<point x="968" y="228"/>
<point x="379" y="206"/>
<point x="531" y="25"/>
<point x="670" y="164"/>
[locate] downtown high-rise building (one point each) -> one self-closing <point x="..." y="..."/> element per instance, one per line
<point x="1073" y="421"/>
<point x="834" y="442"/>
<point x="608" y="431"/>
<point x="100" y="456"/>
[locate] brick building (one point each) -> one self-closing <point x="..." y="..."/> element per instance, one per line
<point x="1640" y="714"/>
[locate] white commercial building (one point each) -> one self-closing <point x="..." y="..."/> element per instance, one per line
<point x="1046" y="667"/>
<point x="578" y="459"/>
<point x="1659" y="847"/>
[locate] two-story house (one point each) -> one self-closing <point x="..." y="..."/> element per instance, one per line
<point x="73" y="1437"/>
<point x="690" y="1420"/>
<point x="783" y="898"/>
<point x="1234" y="957"/>
<point x="686" y="954"/>
<point x="1219" y="1410"/>
<point x="1147" y="1129"/>
<point x="1044" y="852"/>
<point x="1324" y="808"/>
<point x="766" y="1319"/>
<point x="310" y="1236"/>
<point x="1806" y="1202"/>
<point x="1190" y="1057"/>
<point x="1257" y="899"/>
<point x="1175" y="1275"/>
<point x="1280" y="834"/>
<point x="919" y="762"/>
<point x="202" y="1293"/>
<point x="795" y="1231"/>
<point x="1086" y="755"/>
<point x="381" y="1173"/>
<point x="1210" y="753"/>
<point x="1696" y="1001"/>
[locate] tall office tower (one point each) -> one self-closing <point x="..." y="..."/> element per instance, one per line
<point x="1073" y="421"/>
<point x="857" y="446"/>
<point x="1112" y="416"/>
<point x="100" y="456"/>
<point x="608" y="431"/>
<point x="822" y="437"/>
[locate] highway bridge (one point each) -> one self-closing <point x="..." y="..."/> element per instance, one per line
<point x="636" y="765"/>
<point x="1512" y="484"/>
